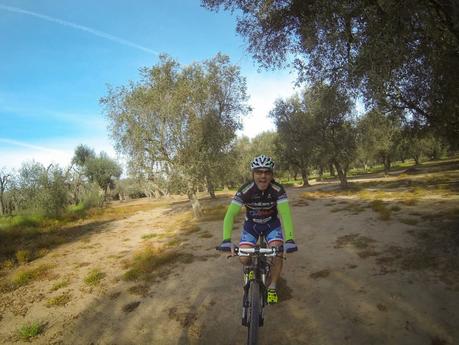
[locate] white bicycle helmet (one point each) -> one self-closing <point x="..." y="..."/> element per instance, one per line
<point x="262" y="162"/>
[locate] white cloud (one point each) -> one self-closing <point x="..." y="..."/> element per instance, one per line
<point x="83" y="120"/>
<point x="56" y="150"/>
<point x="264" y="89"/>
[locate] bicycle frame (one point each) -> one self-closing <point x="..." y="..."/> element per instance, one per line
<point x="255" y="291"/>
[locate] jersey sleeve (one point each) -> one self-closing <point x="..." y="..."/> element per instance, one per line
<point x="286" y="215"/>
<point x="283" y="208"/>
<point x="232" y="211"/>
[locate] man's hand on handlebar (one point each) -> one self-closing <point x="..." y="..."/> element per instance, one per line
<point x="225" y="246"/>
<point x="290" y="246"/>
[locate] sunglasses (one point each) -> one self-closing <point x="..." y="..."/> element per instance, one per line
<point x="262" y="172"/>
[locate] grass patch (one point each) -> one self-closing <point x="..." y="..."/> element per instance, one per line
<point x="24" y="238"/>
<point x="59" y="301"/>
<point x="365" y="246"/>
<point x="141" y="290"/>
<point x="25" y="276"/>
<point x="151" y="259"/>
<point x="380" y="207"/>
<point x="130" y="307"/>
<point x="148" y="236"/>
<point x="353" y="208"/>
<point x="60" y="284"/>
<point x="356" y="240"/>
<point x="206" y="235"/>
<point x="23" y="256"/>
<point x="395" y="208"/>
<point x="30" y="330"/>
<point x="94" y="277"/>
<point x="409" y="221"/>
<point x="216" y="213"/>
<point x="320" y="274"/>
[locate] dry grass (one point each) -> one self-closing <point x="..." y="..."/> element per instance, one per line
<point x="380" y="207"/>
<point x="59" y="301"/>
<point x="60" y="284"/>
<point x="365" y="246"/>
<point x="216" y="213"/>
<point x="24" y="239"/>
<point x="409" y="221"/>
<point x="438" y="179"/>
<point x="141" y="290"/>
<point x="94" y="277"/>
<point x="320" y="274"/>
<point x="26" y="276"/>
<point x="353" y="208"/>
<point x="151" y="259"/>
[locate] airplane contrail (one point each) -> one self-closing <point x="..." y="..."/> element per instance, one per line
<point x="26" y="145"/>
<point x="79" y="27"/>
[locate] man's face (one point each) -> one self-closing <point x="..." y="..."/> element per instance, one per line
<point x="262" y="178"/>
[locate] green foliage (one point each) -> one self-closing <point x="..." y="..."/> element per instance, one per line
<point x="94" y="277"/>
<point x="397" y="55"/>
<point x="316" y="129"/>
<point x="23" y="256"/>
<point x="60" y="284"/>
<point x="182" y="142"/>
<point x="26" y="276"/>
<point x="40" y="190"/>
<point x="60" y="300"/>
<point x="82" y="154"/>
<point x="30" y="330"/>
<point x="102" y="170"/>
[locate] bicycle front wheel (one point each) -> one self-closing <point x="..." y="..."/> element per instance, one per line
<point x="254" y="310"/>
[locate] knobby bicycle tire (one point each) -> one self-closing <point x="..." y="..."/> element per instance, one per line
<point x="254" y="318"/>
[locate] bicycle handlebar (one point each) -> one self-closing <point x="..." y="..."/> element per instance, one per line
<point x="255" y="251"/>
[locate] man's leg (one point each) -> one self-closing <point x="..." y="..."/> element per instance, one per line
<point x="276" y="267"/>
<point x="248" y="240"/>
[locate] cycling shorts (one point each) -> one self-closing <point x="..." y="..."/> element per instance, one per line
<point x="252" y="231"/>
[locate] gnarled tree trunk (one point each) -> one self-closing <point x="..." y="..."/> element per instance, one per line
<point x="342" y="173"/>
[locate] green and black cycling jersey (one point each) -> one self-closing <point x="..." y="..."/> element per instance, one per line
<point x="262" y="207"/>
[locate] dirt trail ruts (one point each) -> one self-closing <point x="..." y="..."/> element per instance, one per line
<point x="341" y="287"/>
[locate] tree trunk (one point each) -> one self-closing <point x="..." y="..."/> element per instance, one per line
<point x="332" y="170"/>
<point x="321" y="172"/>
<point x="304" y="176"/>
<point x="341" y="174"/>
<point x="195" y="205"/>
<point x="2" y="208"/>
<point x="386" y="165"/>
<point x="210" y="188"/>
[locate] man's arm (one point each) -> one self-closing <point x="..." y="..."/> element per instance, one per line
<point x="286" y="215"/>
<point x="233" y="210"/>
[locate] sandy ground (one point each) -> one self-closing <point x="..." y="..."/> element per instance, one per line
<point x="333" y="291"/>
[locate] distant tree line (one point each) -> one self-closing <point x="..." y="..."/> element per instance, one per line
<point x="50" y="191"/>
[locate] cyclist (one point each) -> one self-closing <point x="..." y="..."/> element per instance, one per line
<point x="263" y="198"/>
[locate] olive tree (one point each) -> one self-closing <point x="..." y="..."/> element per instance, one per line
<point x="179" y="122"/>
<point x="398" y="55"/>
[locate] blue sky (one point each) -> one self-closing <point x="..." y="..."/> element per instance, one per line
<point x="57" y="57"/>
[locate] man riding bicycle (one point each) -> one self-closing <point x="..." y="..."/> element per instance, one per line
<point x="263" y="198"/>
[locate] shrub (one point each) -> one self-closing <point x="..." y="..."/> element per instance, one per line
<point x="30" y="330"/>
<point x="23" y="256"/>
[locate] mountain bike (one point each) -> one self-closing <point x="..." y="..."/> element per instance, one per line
<point x="256" y="277"/>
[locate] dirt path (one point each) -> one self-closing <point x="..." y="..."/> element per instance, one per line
<point x="350" y="283"/>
